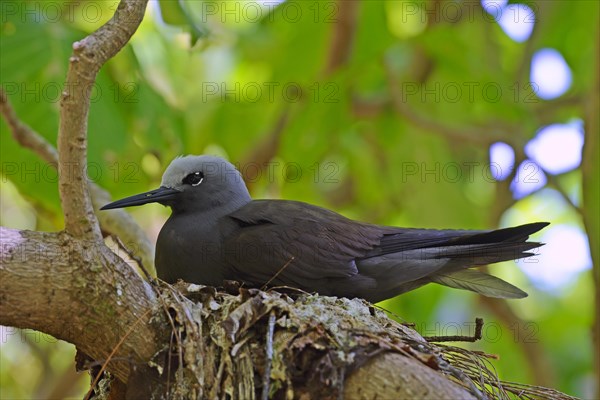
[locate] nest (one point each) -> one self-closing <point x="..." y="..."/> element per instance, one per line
<point x="252" y="344"/>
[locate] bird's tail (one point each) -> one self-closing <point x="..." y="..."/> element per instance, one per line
<point x="479" y="282"/>
<point x="486" y="248"/>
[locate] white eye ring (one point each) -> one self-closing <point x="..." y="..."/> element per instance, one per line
<point x="191" y="179"/>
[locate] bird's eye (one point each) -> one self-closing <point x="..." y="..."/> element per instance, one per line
<point x="194" y="179"/>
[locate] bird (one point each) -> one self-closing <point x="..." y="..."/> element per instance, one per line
<point x="217" y="232"/>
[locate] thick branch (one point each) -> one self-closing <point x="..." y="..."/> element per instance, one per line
<point x="401" y="378"/>
<point x="343" y="35"/>
<point x="117" y="222"/>
<point x="89" y="55"/>
<point x="591" y="195"/>
<point x="79" y="292"/>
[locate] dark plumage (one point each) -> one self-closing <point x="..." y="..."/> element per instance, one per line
<point x="217" y="232"/>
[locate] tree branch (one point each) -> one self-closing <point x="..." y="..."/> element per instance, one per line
<point x="24" y="134"/>
<point x="80" y="292"/>
<point x="89" y="55"/>
<point x="375" y="377"/>
<point x="555" y="184"/>
<point x="343" y="35"/>
<point x="118" y="222"/>
<point x="467" y="135"/>
<point x="266" y="149"/>
<point x="591" y="195"/>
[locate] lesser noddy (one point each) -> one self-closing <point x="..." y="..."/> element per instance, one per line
<point x="217" y="232"/>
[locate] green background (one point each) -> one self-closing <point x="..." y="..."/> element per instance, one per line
<point x="380" y="134"/>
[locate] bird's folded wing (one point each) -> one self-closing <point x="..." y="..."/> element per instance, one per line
<point x="296" y="240"/>
<point x="299" y="241"/>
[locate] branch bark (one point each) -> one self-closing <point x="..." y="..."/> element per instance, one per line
<point x="80" y="292"/>
<point x="395" y="374"/>
<point x="89" y="55"/>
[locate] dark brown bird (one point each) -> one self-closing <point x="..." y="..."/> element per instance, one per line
<point x="217" y="232"/>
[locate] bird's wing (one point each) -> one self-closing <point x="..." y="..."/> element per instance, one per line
<point x="404" y="239"/>
<point x="297" y="241"/>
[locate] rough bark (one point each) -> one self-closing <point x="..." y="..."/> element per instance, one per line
<point x="79" y="292"/>
<point x="409" y="380"/>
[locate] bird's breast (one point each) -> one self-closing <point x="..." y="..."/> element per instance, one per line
<point x="189" y="250"/>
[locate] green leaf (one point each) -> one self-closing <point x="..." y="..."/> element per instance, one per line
<point x="174" y="12"/>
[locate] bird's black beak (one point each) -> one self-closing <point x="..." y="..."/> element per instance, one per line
<point x="159" y="195"/>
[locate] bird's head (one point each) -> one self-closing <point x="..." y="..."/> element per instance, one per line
<point x="195" y="183"/>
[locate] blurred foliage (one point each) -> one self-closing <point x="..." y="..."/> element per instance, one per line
<point x="391" y="125"/>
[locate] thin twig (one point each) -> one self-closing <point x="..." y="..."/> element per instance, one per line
<point x="460" y="338"/>
<point x="277" y="273"/>
<point x="393" y="314"/>
<point x="461" y="376"/>
<point x="114" y="350"/>
<point x="289" y="289"/>
<point x="555" y="184"/>
<point x="268" y="357"/>
<point x="24" y="134"/>
<point x="130" y="254"/>
<point x="175" y="294"/>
